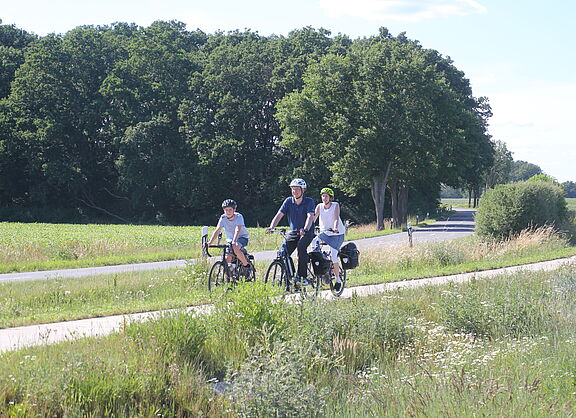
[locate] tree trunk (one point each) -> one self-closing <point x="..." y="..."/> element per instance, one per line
<point x="379" y="194"/>
<point x="399" y="196"/>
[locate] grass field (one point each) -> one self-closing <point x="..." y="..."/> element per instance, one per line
<point x="463" y="203"/>
<point x="498" y="347"/>
<point x="38" y="246"/>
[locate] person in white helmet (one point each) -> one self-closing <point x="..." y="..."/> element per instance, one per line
<point x="300" y="213"/>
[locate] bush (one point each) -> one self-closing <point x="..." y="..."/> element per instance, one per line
<point x="510" y="208"/>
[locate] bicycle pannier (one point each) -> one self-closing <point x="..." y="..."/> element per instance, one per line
<point x="320" y="264"/>
<point x="349" y="255"/>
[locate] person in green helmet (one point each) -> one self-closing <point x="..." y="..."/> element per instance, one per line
<point x="332" y="229"/>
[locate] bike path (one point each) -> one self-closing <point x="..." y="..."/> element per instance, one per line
<point x="33" y="335"/>
<point x="457" y="226"/>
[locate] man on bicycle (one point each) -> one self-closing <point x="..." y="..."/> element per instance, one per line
<point x="236" y="232"/>
<point x="300" y="212"/>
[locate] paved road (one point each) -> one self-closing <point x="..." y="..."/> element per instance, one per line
<point x="460" y="225"/>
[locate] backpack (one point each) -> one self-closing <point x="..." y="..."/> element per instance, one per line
<point x="349" y="256"/>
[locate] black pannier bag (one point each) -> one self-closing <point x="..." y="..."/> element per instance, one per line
<point x="320" y="264"/>
<point x="349" y="256"/>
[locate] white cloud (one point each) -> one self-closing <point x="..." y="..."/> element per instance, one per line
<point x="401" y="10"/>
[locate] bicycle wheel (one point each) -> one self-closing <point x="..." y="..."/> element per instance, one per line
<point x="333" y="281"/>
<point x="276" y="274"/>
<point x="217" y="275"/>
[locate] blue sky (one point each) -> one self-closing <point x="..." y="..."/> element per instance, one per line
<point x="521" y="55"/>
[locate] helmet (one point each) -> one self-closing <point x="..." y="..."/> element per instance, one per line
<point x="328" y="191"/>
<point x="298" y="183"/>
<point x="229" y="203"/>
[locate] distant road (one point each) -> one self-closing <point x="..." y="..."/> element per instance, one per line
<point x="457" y="226"/>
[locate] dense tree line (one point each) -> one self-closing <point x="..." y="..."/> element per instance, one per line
<point x="145" y="124"/>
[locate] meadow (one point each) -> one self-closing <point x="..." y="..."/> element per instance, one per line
<point x="41" y="246"/>
<point x="64" y="299"/>
<point x="498" y="347"/>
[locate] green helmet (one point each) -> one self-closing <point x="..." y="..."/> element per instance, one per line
<point x="328" y="191"/>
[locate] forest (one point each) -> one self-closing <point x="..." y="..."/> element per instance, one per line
<point x="159" y="124"/>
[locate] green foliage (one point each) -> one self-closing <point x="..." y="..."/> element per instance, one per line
<point x="248" y="309"/>
<point x="513" y="308"/>
<point x="544" y="178"/>
<point x="522" y="170"/>
<point x="356" y="331"/>
<point x="174" y="335"/>
<point x="510" y="208"/>
<point x="570" y="189"/>
<point x="274" y="383"/>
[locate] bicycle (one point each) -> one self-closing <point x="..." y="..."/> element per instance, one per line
<point x="281" y="271"/>
<point x="223" y="272"/>
<point x="327" y="275"/>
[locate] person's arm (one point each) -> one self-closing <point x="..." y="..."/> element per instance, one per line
<point x="215" y="234"/>
<point x="310" y="218"/>
<point x="336" y="217"/>
<point x="276" y="220"/>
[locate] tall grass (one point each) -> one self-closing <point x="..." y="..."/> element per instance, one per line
<point x="409" y="352"/>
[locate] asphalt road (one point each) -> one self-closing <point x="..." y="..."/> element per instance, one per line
<point x="459" y="225"/>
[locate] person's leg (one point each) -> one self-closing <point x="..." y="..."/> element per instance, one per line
<point x="303" y="244"/>
<point x="242" y="242"/>
<point x="335" y="266"/>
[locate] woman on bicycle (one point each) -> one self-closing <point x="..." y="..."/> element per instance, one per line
<point x="236" y="232"/>
<point x="331" y="229"/>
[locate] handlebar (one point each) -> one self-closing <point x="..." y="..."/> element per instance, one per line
<point x="206" y="246"/>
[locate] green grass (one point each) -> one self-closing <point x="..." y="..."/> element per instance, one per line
<point x="498" y="347"/>
<point x="56" y="300"/>
<point x="37" y="246"/>
<point x="463" y="202"/>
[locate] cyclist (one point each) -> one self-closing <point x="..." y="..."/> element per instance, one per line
<point x="300" y="212"/>
<point x="331" y="229"/>
<point x="236" y="232"/>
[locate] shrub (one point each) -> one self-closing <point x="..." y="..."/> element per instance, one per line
<point x="510" y="208"/>
<point x="274" y="383"/>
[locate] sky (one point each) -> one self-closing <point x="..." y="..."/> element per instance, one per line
<point x="519" y="54"/>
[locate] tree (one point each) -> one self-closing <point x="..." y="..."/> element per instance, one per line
<point x="499" y="172"/>
<point x="378" y="111"/>
<point x="569" y="188"/>
<point x="522" y="170"/>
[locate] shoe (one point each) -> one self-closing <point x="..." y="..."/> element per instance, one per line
<point x="297" y="283"/>
<point x="337" y="286"/>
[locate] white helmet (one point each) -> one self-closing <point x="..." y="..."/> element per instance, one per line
<point x="298" y="183"/>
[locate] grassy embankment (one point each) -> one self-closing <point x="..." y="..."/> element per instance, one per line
<point x="58" y="300"/>
<point x="37" y="246"/>
<point x="498" y="347"/>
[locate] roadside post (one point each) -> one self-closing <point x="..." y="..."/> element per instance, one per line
<point x="410" y="234"/>
<point x="204" y="241"/>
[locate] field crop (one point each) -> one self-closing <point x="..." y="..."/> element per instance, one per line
<point x="38" y="246"/>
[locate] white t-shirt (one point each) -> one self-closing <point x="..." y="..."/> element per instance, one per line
<point x="230" y="225"/>
<point x="327" y="217"/>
